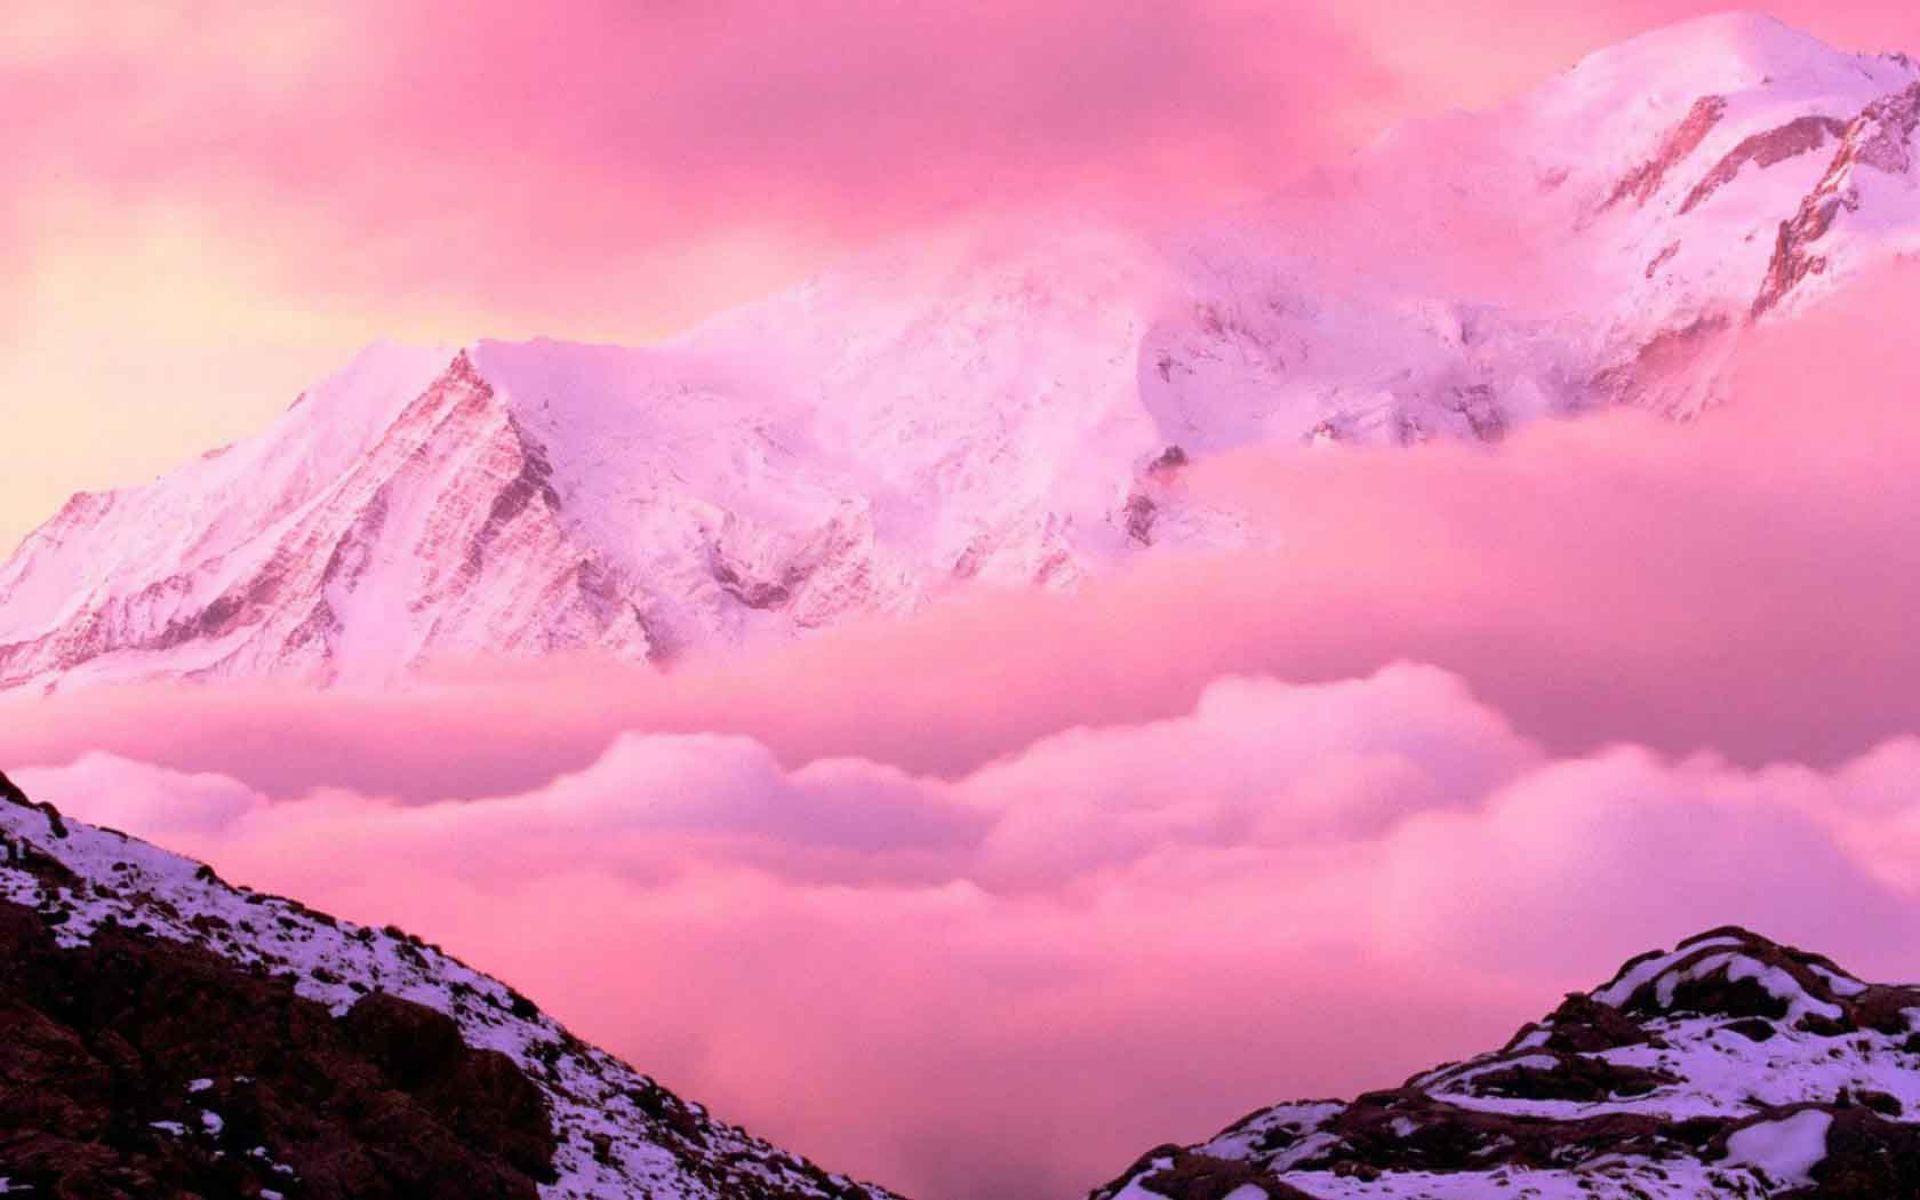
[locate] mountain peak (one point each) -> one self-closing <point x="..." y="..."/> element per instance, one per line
<point x="1734" y="972"/>
<point x="1751" y="36"/>
<point x="1733" y="51"/>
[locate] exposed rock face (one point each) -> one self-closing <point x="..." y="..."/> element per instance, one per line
<point x="1880" y="140"/>
<point x="1729" y="1067"/>
<point x="1681" y="141"/>
<point x="1802" y="135"/>
<point x="163" y="1034"/>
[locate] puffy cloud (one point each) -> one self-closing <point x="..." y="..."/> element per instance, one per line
<point x="1648" y="847"/>
<point x="1257" y="763"/>
<point x="159" y="802"/>
<point x="1010" y="981"/>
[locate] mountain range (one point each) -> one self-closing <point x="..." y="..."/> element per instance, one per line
<point x="1013" y="404"/>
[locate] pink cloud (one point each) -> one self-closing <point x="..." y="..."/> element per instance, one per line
<point x="1741" y="584"/>
<point x="1010" y="982"/>
<point x="452" y="151"/>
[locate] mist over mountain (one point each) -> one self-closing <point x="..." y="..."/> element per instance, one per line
<point x="1013" y="405"/>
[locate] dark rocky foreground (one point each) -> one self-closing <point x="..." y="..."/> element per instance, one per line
<point x="164" y="1035"/>
<point x="138" y="1067"/>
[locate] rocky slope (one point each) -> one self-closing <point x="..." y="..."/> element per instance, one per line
<point x="1730" y="1067"/>
<point x="1016" y="404"/>
<point x="168" y="1035"/>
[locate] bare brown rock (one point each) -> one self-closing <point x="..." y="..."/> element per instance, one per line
<point x="136" y="1067"/>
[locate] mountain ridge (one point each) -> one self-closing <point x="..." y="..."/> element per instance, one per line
<point x="169" y="1031"/>
<point x="1009" y="407"/>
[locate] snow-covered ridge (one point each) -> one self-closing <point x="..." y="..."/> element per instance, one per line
<point x="619" y="1133"/>
<point x="1014" y="405"/>
<point x="1730" y="1066"/>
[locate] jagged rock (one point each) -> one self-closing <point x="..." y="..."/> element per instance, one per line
<point x="1879" y="139"/>
<point x="98" y="1095"/>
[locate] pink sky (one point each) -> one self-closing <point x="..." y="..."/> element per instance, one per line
<point x="209" y="205"/>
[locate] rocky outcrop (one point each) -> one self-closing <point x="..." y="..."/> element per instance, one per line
<point x="1879" y="139"/>
<point x="1731" y="1066"/>
<point x="136" y="1067"/>
<point x="1802" y="135"/>
<point x="1640" y="184"/>
<point x="165" y="1035"/>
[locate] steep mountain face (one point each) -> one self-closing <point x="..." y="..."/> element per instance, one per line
<point x="1009" y="405"/>
<point x="167" y="1034"/>
<point x="1730" y="1066"/>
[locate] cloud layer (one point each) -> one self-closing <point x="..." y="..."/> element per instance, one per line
<point x="1008" y="983"/>
<point x="1742" y="584"/>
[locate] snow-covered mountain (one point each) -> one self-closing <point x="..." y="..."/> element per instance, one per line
<point x="169" y="1035"/>
<point x="1011" y="405"/>
<point x="1728" y="1067"/>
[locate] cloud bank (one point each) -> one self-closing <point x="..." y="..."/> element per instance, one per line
<point x="1007" y="983"/>
<point x="1743" y="584"/>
